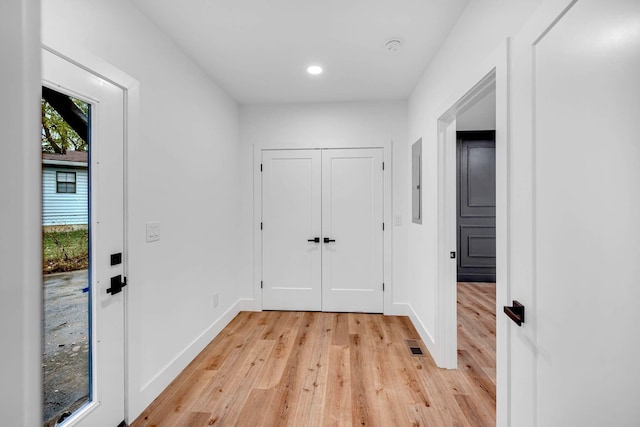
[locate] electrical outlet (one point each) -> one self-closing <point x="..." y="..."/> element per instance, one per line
<point x="216" y="300"/>
<point x="153" y="231"/>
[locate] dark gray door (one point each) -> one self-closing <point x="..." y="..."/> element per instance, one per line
<point x="476" y="206"/>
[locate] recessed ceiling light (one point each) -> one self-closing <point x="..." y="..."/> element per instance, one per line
<point x="314" y="70"/>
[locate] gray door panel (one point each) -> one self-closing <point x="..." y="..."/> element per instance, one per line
<point x="476" y="207"/>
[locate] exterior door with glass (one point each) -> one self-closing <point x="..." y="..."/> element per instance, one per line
<point x="104" y="203"/>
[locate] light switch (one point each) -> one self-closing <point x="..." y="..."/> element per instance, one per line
<point x="153" y="231"/>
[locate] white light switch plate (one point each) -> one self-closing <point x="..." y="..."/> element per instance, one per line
<point x="153" y="231"/>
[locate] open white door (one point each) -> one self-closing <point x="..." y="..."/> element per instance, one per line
<point x="575" y="210"/>
<point x="352" y="230"/>
<point x="105" y="406"/>
<point x="291" y="230"/>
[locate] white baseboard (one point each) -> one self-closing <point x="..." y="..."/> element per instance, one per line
<point x="405" y="309"/>
<point x="153" y="388"/>
<point x="398" y="309"/>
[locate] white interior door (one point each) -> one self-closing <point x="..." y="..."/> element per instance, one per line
<point x="574" y="260"/>
<point x="352" y="230"/>
<point x="106" y="401"/>
<point x="291" y="258"/>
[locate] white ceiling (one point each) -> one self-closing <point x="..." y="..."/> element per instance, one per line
<point x="258" y="50"/>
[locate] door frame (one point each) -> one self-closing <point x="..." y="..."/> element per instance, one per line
<point x="387" y="201"/>
<point x="446" y="320"/>
<point x="494" y="73"/>
<point x="131" y="91"/>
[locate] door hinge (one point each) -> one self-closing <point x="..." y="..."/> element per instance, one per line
<point x="260" y="226"/>
<point x="260" y="167"/>
<point x="383" y="287"/>
<point x="261" y="284"/>
<point x="383" y="226"/>
<point x="452" y="255"/>
<point x="382" y="165"/>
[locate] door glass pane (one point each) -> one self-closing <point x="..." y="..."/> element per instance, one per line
<point x="66" y="362"/>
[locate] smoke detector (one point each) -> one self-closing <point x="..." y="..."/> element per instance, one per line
<point x="393" y="45"/>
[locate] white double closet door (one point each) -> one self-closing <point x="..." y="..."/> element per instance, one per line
<point x="322" y="230"/>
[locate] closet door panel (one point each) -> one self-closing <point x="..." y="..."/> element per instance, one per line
<point x="352" y="230"/>
<point x="291" y="209"/>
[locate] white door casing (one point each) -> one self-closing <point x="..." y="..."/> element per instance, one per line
<point x="574" y="215"/>
<point x="107" y="234"/>
<point x="291" y="209"/>
<point x="352" y="215"/>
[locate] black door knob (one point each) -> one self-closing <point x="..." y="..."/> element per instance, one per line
<point x="314" y="240"/>
<point x="327" y="240"/>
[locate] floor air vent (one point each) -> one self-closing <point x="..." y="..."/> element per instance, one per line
<point x="415" y="348"/>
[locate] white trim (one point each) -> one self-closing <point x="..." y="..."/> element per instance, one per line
<point x="80" y="414"/>
<point x="152" y="388"/>
<point x="387" y="148"/>
<point x="405" y="309"/>
<point x="92" y="63"/>
<point x="257" y="234"/>
<point x="503" y="233"/>
<point x="446" y="321"/>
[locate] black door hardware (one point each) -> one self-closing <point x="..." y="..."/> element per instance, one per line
<point x="116" y="258"/>
<point x="117" y="284"/>
<point x="452" y="255"/>
<point x="314" y="240"/>
<point x="515" y="312"/>
<point x="327" y="240"/>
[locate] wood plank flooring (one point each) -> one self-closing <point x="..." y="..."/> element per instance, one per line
<point x="335" y="369"/>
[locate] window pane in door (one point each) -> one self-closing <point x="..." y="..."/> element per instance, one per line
<point x="66" y="363"/>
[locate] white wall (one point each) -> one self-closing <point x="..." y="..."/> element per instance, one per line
<point x="321" y="125"/>
<point x="20" y="230"/>
<point x="468" y="54"/>
<point x="183" y="171"/>
<point x="480" y="116"/>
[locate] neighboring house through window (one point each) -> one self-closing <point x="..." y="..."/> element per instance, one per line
<point x="65" y="182"/>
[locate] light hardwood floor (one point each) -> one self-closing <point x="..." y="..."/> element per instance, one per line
<point x="333" y="369"/>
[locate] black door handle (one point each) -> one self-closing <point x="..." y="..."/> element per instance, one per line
<point x="117" y="284"/>
<point x="515" y="312"/>
<point x="327" y="240"/>
<point x="314" y="240"/>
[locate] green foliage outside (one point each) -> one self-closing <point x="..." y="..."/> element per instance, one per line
<point x="57" y="135"/>
<point x="65" y="251"/>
